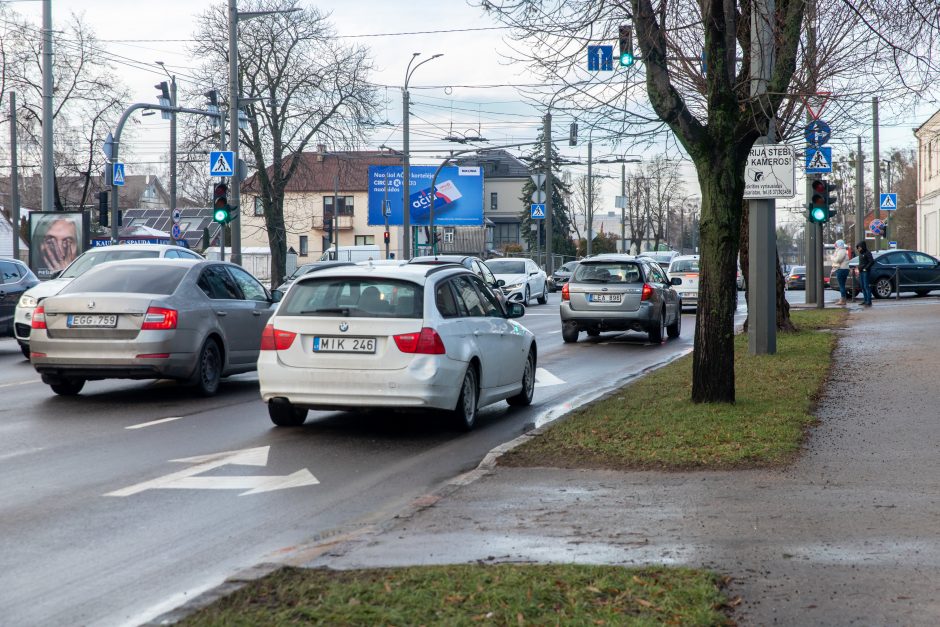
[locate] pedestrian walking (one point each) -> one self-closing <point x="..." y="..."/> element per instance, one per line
<point x="865" y="262"/>
<point x="840" y="261"/>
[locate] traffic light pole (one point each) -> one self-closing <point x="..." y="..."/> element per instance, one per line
<point x="233" y="127"/>
<point x="876" y="195"/>
<point x="549" y="184"/>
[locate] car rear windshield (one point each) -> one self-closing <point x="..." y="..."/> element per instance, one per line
<point x="608" y="272"/>
<point x="129" y="278"/>
<point x="95" y="256"/>
<point x="798" y="270"/>
<point x="506" y="267"/>
<point x="684" y="265"/>
<point x="355" y="297"/>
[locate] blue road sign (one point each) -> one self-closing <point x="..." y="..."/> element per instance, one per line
<point x="877" y="227"/>
<point x="117" y="174"/>
<point x="222" y="163"/>
<point x="818" y="160"/>
<point x="889" y="202"/>
<point x="600" y="58"/>
<point x="538" y="211"/>
<point x="176" y="232"/>
<point x="817" y="133"/>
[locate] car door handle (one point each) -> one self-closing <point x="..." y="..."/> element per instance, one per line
<point x="221" y="314"/>
<point x="256" y="313"/>
<point x="476" y="333"/>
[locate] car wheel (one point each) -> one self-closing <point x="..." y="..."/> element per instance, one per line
<point x="527" y="297"/>
<point x="67" y="386"/>
<point x="657" y="328"/>
<point x="544" y="297"/>
<point x="465" y="414"/>
<point x="286" y="415"/>
<point x="569" y="333"/>
<point x="675" y="329"/>
<point x="209" y="369"/>
<point x="24" y="348"/>
<point x="524" y="397"/>
<point x="883" y="287"/>
<point x="921" y="292"/>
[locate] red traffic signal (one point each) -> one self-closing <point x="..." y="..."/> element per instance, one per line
<point x="386" y="237"/>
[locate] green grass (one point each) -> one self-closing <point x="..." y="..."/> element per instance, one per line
<point x="652" y="424"/>
<point x="470" y="594"/>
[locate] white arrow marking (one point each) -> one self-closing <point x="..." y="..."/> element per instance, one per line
<point x="544" y="378"/>
<point x="187" y="479"/>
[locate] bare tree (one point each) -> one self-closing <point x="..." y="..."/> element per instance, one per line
<point x="580" y="220"/>
<point x="313" y="89"/>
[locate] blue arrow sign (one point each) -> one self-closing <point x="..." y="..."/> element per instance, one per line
<point x="600" y="58"/>
<point x="819" y="160"/>
<point x="117" y="174"/>
<point x="538" y="211"/>
<point x="817" y="133"/>
<point x="222" y="163"/>
<point x="889" y="202"/>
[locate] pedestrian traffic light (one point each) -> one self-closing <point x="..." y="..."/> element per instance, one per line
<point x="221" y="212"/>
<point x="103" y="208"/>
<point x="820" y="208"/>
<point x="386" y="237"/>
<point x="626" y="46"/>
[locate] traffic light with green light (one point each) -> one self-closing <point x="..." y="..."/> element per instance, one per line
<point x="627" y="59"/>
<point x="820" y="208"/>
<point x="222" y="212"/>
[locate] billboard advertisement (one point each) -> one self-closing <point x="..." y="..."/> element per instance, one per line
<point x="458" y="198"/>
<point x="55" y="240"/>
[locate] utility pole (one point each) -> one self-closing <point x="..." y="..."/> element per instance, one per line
<point x="876" y="159"/>
<point x="590" y="200"/>
<point x="48" y="168"/>
<point x="14" y="180"/>
<point x="859" y="192"/>
<point x="623" y="208"/>
<point x="549" y="184"/>
<point x="406" y="172"/>
<point x="810" y="237"/>
<point x="335" y="217"/>
<point x="233" y="92"/>
<point x="172" y="146"/>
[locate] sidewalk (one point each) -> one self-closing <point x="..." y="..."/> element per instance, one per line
<point x="849" y="534"/>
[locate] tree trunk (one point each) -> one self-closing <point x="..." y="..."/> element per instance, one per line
<point x="277" y="240"/>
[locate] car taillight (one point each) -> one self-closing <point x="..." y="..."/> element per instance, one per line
<point x="275" y="339"/>
<point x="159" y="319"/>
<point x="565" y="293"/>
<point x="39" y="318"/>
<point x="647" y="292"/>
<point x="427" y="342"/>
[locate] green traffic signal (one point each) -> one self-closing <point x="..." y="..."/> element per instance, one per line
<point x="627" y="59"/>
<point x="818" y="215"/>
<point x="220" y="215"/>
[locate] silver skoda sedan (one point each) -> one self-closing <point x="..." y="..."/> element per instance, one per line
<point x="194" y="321"/>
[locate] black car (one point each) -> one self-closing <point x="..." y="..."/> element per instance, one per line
<point x="913" y="271"/>
<point x="15" y="278"/>
<point x="471" y="263"/>
<point x="796" y="279"/>
<point x="306" y="268"/>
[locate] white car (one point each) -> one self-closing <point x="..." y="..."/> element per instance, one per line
<point x="522" y="279"/>
<point x="407" y="337"/>
<point x="22" y="322"/>
<point x="686" y="268"/>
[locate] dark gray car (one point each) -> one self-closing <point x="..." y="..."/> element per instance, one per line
<point x="620" y="293"/>
<point x="194" y="321"/>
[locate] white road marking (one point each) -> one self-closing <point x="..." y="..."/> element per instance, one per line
<point x="154" y="422"/>
<point x="553" y="332"/>
<point x="187" y="479"/>
<point x="9" y="385"/>
<point x="544" y="378"/>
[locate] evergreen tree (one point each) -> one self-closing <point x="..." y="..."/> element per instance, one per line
<point x="561" y="224"/>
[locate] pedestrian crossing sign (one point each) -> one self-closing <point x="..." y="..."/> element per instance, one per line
<point x="538" y="211"/>
<point x="889" y="202"/>
<point x="222" y="163"/>
<point x="818" y="159"/>
<point x="117" y="174"/>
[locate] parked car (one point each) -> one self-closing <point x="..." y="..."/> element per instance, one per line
<point x="522" y="279"/>
<point x="417" y="336"/>
<point x="15" y="279"/>
<point x="304" y="269"/>
<point x="561" y="275"/>
<point x="915" y="272"/>
<point x="796" y="280"/>
<point x="471" y="263"/>
<point x="620" y="293"/>
<point x="362" y="252"/>
<point x="662" y="257"/>
<point x="686" y="269"/>
<point x="194" y="321"/>
<point x="84" y="262"/>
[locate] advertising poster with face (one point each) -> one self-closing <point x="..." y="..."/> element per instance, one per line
<point x="55" y="240"/>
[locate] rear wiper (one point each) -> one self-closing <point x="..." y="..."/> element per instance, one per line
<point x="339" y="310"/>
<point x="591" y="281"/>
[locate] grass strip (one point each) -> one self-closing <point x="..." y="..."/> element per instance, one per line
<point x="652" y="424"/>
<point x="473" y="594"/>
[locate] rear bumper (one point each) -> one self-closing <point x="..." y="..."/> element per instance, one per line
<point x="608" y="320"/>
<point x="89" y="359"/>
<point x="430" y="381"/>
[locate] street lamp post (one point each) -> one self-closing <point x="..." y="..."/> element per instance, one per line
<point x="406" y="161"/>
<point x="172" y="137"/>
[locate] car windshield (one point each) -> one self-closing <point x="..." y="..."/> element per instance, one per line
<point x="798" y="270"/>
<point x="129" y="278"/>
<point x="569" y="267"/>
<point x="506" y="266"/>
<point x="96" y="256"/>
<point x="356" y="297"/>
<point x="608" y="272"/>
<point x="684" y="265"/>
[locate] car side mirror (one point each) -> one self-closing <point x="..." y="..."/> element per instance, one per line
<point x="533" y="273"/>
<point x="276" y="296"/>
<point x="55" y="275"/>
<point x="675" y="281"/>
<point x="500" y="283"/>
<point x="515" y="310"/>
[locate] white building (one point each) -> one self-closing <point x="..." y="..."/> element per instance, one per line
<point x="928" y="185"/>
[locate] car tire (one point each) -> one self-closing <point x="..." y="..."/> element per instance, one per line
<point x="465" y="413"/>
<point x="208" y="369"/>
<point x="656" y="329"/>
<point x="543" y="299"/>
<point x="67" y="386"/>
<point x="883" y="288"/>
<point x="921" y="292"/>
<point x="286" y="415"/>
<point x="524" y="397"/>
<point x="24" y="348"/>
<point x="569" y="333"/>
<point x="526" y="297"/>
<point x="675" y="329"/>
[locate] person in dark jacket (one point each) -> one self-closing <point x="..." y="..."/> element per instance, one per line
<point x="865" y="262"/>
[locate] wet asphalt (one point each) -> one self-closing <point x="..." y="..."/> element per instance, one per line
<point x="849" y="534"/>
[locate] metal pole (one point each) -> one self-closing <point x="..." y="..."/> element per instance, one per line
<point x="877" y="168"/>
<point x="890" y="213"/>
<point x="14" y="180"/>
<point x="859" y="192"/>
<point x="820" y="265"/>
<point x="233" y="92"/>
<point x="810" y="230"/>
<point x="222" y="180"/>
<point x="538" y="242"/>
<point x="406" y="173"/>
<point x="589" y="218"/>
<point x="549" y="184"/>
<point x="48" y="168"/>
<point x="623" y="208"/>
<point x="172" y="146"/>
<point x="385" y="211"/>
<point x="335" y="217"/>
